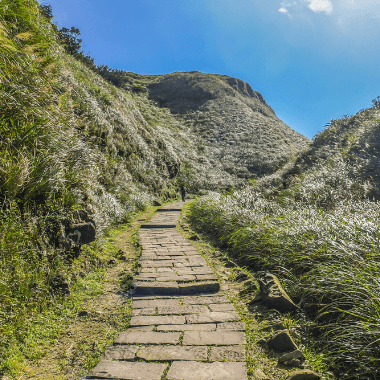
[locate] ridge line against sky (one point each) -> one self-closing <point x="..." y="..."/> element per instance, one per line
<point x="312" y="60"/>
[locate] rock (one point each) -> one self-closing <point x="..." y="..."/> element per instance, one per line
<point x="295" y="363"/>
<point x="248" y="287"/>
<point x="282" y="341"/>
<point x="230" y="264"/>
<point x="274" y="295"/>
<point x="260" y="375"/>
<point x="82" y="233"/>
<point x="257" y="298"/>
<point x="304" y="374"/>
<point x="83" y="313"/>
<point x="297" y="354"/>
<point x="241" y="276"/>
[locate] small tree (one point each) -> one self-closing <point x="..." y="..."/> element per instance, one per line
<point x="69" y="39"/>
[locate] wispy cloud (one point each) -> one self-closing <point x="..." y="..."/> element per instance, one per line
<point x="315" y="5"/>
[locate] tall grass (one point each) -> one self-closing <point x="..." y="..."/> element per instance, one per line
<point x="321" y="236"/>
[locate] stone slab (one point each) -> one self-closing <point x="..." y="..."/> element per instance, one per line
<point x="147" y="320"/>
<point x="212" y="317"/>
<point x="193" y="370"/>
<point x="156" y="288"/>
<point x="146" y="311"/>
<point x="228" y="353"/>
<point x="185" y="309"/>
<point x="141" y="328"/>
<point x="219" y="337"/>
<point x="166" y="353"/>
<point x="199" y="287"/>
<point x="185" y="278"/>
<point x="234" y="326"/>
<point x="206" y="277"/>
<point x="222" y="307"/>
<point x="204" y="300"/>
<point x="150" y="337"/>
<point x="155" y="303"/>
<point x="186" y="327"/>
<point x="120" y="353"/>
<point x="156" y="263"/>
<point x="128" y="370"/>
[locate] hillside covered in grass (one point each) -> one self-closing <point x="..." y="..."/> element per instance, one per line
<point x="81" y="152"/>
<point x="315" y="223"/>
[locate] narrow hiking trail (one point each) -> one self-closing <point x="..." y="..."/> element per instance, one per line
<point x="183" y="326"/>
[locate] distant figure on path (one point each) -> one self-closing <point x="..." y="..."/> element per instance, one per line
<point x="183" y="193"/>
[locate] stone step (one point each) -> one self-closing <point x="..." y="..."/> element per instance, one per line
<point x="163" y="288"/>
<point x="127" y="370"/>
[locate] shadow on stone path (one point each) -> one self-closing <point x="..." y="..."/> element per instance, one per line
<point x="182" y="326"/>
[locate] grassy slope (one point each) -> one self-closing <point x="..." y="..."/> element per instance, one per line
<point x="320" y="234"/>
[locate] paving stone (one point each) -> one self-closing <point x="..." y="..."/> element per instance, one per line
<point x="172" y="253"/>
<point x="215" y="316"/>
<point x="128" y="370"/>
<point x="206" y="277"/>
<point x="149" y="337"/>
<point x="219" y="337"/>
<point x="186" y="278"/>
<point x="185" y="309"/>
<point x="155" y="303"/>
<point x="157" y="320"/>
<point x="141" y="328"/>
<point x="156" y="263"/>
<point x="235" y="326"/>
<point x="187" y="327"/>
<point x="172" y="353"/>
<point x="222" y="307"/>
<point x="146" y="311"/>
<point x="199" y="287"/>
<point x="157" y="288"/>
<point x="202" y="270"/>
<point x="166" y="270"/>
<point x="193" y="370"/>
<point x="148" y="275"/>
<point x="191" y="300"/>
<point x="148" y="270"/>
<point x="120" y="353"/>
<point x="228" y="353"/>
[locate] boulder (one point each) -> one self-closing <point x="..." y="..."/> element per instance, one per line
<point x="274" y="295"/>
<point x="304" y="374"/>
<point x="296" y="354"/>
<point x="282" y="341"/>
<point x="82" y="233"/>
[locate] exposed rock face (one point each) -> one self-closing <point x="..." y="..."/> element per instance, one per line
<point x="274" y="295"/>
<point x="282" y="341"/>
<point x="237" y="126"/>
<point x="304" y="375"/>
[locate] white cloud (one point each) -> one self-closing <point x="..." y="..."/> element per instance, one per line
<point x="315" y="5"/>
<point x="320" y="6"/>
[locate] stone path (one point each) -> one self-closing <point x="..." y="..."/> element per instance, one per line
<point x="182" y="325"/>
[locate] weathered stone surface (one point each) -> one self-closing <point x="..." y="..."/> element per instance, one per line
<point x="195" y="300"/>
<point x="282" y="341"/>
<point x="141" y="328"/>
<point x="216" y="316"/>
<point x="151" y="337"/>
<point x="206" y="371"/>
<point x="162" y="353"/>
<point x="219" y="337"/>
<point x="199" y="287"/>
<point x="185" y="278"/>
<point x="128" y="370"/>
<point x="207" y="277"/>
<point x="156" y="263"/>
<point x="297" y="354"/>
<point x="259" y="374"/>
<point x="228" y="353"/>
<point x="157" y="320"/>
<point x="146" y="311"/>
<point x="187" y="327"/>
<point x="274" y="295"/>
<point x="185" y="309"/>
<point x="234" y="326"/>
<point x="156" y="288"/>
<point x="119" y="353"/>
<point x="304" y="375"/>
<point x="222" y="307"/>
<point x="155" y="303"/>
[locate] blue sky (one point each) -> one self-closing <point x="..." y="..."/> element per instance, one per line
<point x="312" y="60"/>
